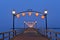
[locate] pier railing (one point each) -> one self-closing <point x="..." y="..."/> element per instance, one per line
<point x="11" y="34"/>
<point x="53" y="35"/>
<point x="8" y="35"/>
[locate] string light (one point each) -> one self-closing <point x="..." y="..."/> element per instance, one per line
<point x="18" y="15"/>
<point x="23" y="14"/>
<point x="29" y="13"/>
<point x="42" y="16"/>
<point x="37" y="14"/>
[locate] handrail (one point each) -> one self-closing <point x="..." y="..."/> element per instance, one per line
<point x="54" y="36"/>
<point x="9" y="34"/>
<point x="50" y="34"/>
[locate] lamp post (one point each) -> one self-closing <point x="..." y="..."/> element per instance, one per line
<point x="45" y="14"/>
<point x="13" y="13"/>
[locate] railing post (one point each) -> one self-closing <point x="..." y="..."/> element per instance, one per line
<point x="46" y="33"/>
<point x="9" y="35"/>
<point x="3" y="35"/>
<point x="50" y="35"/>
<point x="56" y="35"/>
<point x="15" y="33"/>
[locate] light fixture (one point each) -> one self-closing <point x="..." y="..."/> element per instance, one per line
<point x="37" y="14"/>
<point x="29" y="13"/>
<point x="18" y="15"/>
<point x="45" y="12"/>
<point x="23" y="14"/>
<point x="42" y="16"/>
<point x="13" y="12"/>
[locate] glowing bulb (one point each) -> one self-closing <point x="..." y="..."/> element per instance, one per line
<point x="18" y="15"/>
<point x="45" y="11"/>
<point x="23" y="14"/>
<point x="37" y="14"/>
<point x="42" y="16"/>
<point x="29" y="13"/>
<point x="13" y="12"/>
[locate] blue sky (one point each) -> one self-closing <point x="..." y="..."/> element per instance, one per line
<point x="6" y="6"/>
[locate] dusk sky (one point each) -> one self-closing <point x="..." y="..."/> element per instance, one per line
<point x="6" y="6"/>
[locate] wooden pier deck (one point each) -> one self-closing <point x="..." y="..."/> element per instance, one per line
<point x="30" y="34"/>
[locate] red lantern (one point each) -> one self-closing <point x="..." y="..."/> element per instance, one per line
<point x="23" y="14"/>
<point x="18" y="15"/>
<point x="37" y="14"/>
<point x="29" y="13"/>
<point x="42" y="16"/>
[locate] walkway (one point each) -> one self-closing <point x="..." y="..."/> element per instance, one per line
<point x="30" y="34"/>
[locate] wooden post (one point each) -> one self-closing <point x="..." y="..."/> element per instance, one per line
<point x="56" y="35"/>
<point x="50" y="35"/>
<point x="3" y="36"/>
<point x="9" y="35"/>
<point x="15" y="33"/>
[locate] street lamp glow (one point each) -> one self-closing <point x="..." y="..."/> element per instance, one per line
<point x="13" y="12"/>
<point x="45" y="11"/>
